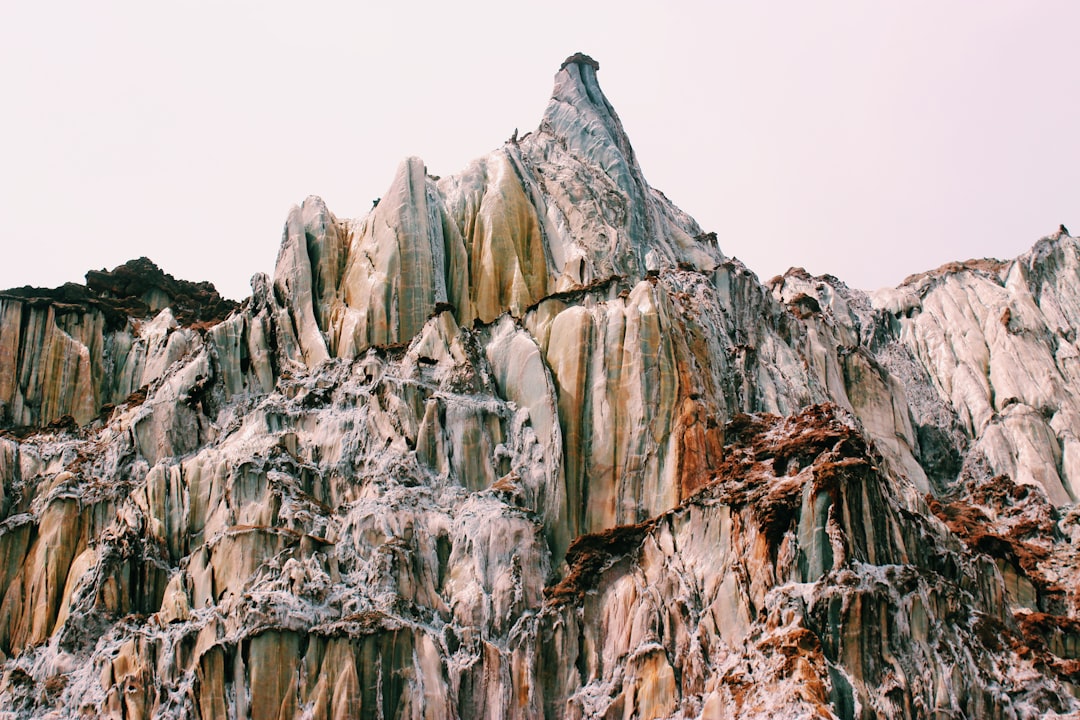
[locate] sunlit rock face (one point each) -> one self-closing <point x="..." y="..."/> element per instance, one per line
<point x="523" y="442"/>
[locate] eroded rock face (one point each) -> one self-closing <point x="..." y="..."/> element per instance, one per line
<point x="772" y="590"/>
<point x="74" y="349"/>
<point x="522" y="442"/>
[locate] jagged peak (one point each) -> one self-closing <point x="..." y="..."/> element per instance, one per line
<point x="1049" y="247"/>
<point x="994" y="267"/>
<point x="579" y="115"/>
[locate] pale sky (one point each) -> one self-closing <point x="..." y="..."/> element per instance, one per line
<point x="865" y="139"/>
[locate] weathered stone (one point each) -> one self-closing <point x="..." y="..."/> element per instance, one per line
<point x="523" y="443"/>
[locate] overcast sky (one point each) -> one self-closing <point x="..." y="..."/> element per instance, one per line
<point x="869" y="140"/>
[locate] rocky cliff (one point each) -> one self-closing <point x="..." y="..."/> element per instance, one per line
<point x="523" y="442"/>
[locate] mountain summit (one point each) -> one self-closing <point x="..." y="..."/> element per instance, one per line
<point x="523" y="442"/>
<point x="581" y="117"/>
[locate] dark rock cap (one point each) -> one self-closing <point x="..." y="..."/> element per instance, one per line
<point x="580" y="58"/>
<point x="134" y="290"/>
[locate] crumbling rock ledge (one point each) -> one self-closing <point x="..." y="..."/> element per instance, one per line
<point x="135" y="290"/>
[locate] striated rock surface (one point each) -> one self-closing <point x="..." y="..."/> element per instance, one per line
<point x="523" y="442"/>
<point x="77" y="349"/>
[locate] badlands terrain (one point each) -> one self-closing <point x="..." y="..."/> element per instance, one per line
<point x="523" y="442"/>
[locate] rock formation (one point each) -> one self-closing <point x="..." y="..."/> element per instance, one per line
<point x="523" y="442"/>
<point x="73" y="350"/>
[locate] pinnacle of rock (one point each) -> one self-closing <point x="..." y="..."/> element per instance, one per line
<point x="581" y="116"/>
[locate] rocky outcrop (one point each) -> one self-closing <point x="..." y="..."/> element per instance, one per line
<point x="985" y="352"/>
<point x="78" y="350"/>
<point x="999" y="344"/>
<point x="773" y="591"/>
<point x="523" y="442"/>
<point x="557" y="210"/>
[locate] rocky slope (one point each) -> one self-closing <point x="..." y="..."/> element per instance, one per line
<point x="523" y="442"/>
